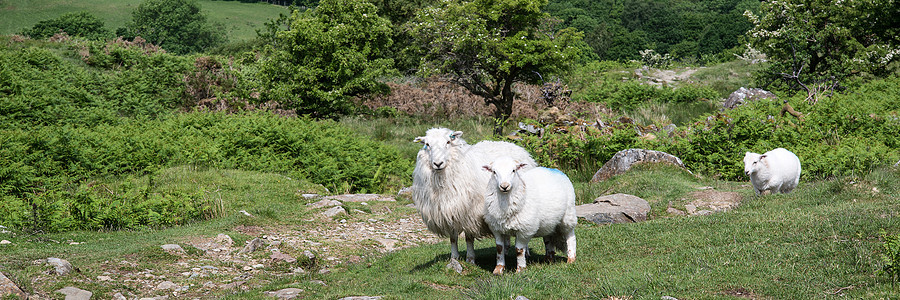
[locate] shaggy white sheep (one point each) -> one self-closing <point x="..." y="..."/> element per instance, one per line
<point x="774" y="171"/>
<point x="448" y="184"/>
<point x="539" y="202"/>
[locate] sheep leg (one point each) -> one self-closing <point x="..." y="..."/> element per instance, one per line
<point x="521" y="248"/>
<point x="502" y="243"/>
<point x="470" y="249"/>
<point x="454" y="249"/>
<point x="549" y="249"/>
<point x="570" y="246"/>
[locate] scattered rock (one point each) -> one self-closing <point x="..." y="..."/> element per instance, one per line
<point x="309" y="254"/>
<point x="675" y="211"/>
<point x="281" y="257"/>
<point x="668" y="298"/>
<point x="405" y="192"/>
<point x="319" y="282"/>
<point x="119" y="296"/>
<point x="173" y="248"/>
<point x="744" y="95"/>
<point x="166" y="285"/>
<point x="361" y="298"/>
<point x="224" y="240"/>
<point x="253" y="245"/>
<point x="455" y="266"/>
<point x="361" y="198"/>
<point x="623" y="160"/>
<point x="288" y="293"/>
<point x="3" y="229"/>
<point x="104" y="278"/>
<point x="73" y="293"/>
<point x="715" y="201"/>
<point x="233" y="285"/>
<point x="334" y="211"/>
<point x="617" y="208"/>
<point x="60" y="266"/>
<point x="7" y="287"/>
<point x="387" y="243"/>
<point x="521" y="298"/>
<point x="244" y="212"/>
<point x="310" y="196"/>
<point x="324" y="203"/>
<point x="298" y="270"/>
<point x="5" y="242"/>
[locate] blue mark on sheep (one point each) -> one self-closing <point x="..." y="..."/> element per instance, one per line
<point x="554" y="171"/>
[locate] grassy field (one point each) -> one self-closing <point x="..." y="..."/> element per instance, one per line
<point x="241" y="19"/>
<point x="822" y="241"/>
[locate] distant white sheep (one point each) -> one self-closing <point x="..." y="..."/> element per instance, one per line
<point x="448" y="184"/>
<point x="774" y="171"/>
<point x="539" y="202"/>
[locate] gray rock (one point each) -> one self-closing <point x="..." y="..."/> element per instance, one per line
<point x="361" y="298"/>
<point x="455" y="266"/>
<point x="744" y="95"/>
<point x="73" y="293"/>
<point x="166" y="285"/>
<point x="334" y="211"/>
<point x="119" y="296"/>
<point x="310" y="196"/>
<point x="173" y="248"/>
<point x="60" y="266"/>
<point x="521" y="298"/>
<point x="623" y="160"/>
<point x="668" y="298"/>
<point x="7" y="287"/>
<point x="387" y="243"/>
<point x="288" y="293"/>
<point x="675" y="211"/>
<point x="309" y="254"/>
<point x="5" y="242"/>
<point x="405" y="192"/>
<point x="253" y="245"/>
<point x="224" y="240"/>
<point x="281" y="257"/>
<point x="233" y="285"/>
<point x="710" y="201"/>
<point x="361" y="198"/>
<point x="324" y="203"/>
<point x="617" y="208"/>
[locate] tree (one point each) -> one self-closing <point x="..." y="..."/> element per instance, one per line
<point x="329" y="54"/>
<point x="813" y="45"/>
<point x="178" y="26"/>
<point x="486" y="46"/>
<point x="81" y="24"/>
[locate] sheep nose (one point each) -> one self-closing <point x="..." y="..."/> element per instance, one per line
<point x="504" y="187"/>
<point x="438" y="165"/>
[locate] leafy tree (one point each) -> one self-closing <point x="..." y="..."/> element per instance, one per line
<point x="813" y="45"/>
<point x="81" y="24"/>
<point x="486" y="46"/>
<point x="178" y="26"/>
<point x="329" y="54"/>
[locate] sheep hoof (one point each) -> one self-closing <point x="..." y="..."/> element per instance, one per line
<point x="570" y="260"/>
<point x="520" y="269"/>
<point x="498" y="270"/>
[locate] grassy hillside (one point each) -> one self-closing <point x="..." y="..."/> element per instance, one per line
<point x="241" y="19"/>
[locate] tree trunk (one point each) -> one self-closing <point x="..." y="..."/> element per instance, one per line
<point x="503" y="107"/>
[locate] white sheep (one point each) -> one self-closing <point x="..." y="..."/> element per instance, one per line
<point x="448" y="185"/>
<point x="539" y="202"/>
<point x="774" y="171"/>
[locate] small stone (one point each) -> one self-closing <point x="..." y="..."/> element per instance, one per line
<point x="259" y="266"/>
<point x="334" y="211"/>
<point x="60" y="266"/>
<point x="5" y="242"/>
<point x="247" y="268"/>
<point x="244" y="212"/>
<point x="73" y="293"/>
<point x="668" y="298"/>
<point x="298" y="270"/>
<point x="691" y="209"/>
<point x="309" y="254"/>
<point x="288" y="293"/>
<point x="318" y="282"/>
<point x="173" y="248"/>
<point x="166" y="285"/>
<point x="75" y="243"/>
<point x="119" y="296"/>
<point x="361" y="298"/>
<point x="104" y="278"/>
<point x="233" y="285"/>
<point x="253" y="245"/>
<point x="224" y="240"/>
<point x="387" y="243"/>
<point x="325" y="203"/>
<point x="521" y="298"/>
<point x="310" y="196"/>
<point x="281" y="257"/>
<point x="675" y="211"/>
<point x="324" y="271"/>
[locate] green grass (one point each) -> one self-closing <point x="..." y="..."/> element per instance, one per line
<point x="727" y="77"/>
<point x="240" y="19"/>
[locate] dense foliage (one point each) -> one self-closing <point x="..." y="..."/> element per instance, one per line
<point x="328" y="55"/>
<point x="178" y="26"/>
<point x="81" y="24"/>
<point x="688" y="30"/>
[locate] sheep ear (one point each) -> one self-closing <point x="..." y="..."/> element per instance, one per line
<point x="455" y="135"/>
<point x="761" y="157"/>
<point x="521" y="165"/>
<point x="487" y="168"/>
<point x="420" y="139"/>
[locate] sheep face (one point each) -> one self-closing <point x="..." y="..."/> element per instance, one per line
<point x="504" y="170"/>
<point x="438" y="146"/>
<point x="752" y="163"/>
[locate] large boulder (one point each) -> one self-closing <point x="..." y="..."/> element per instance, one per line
<point x="616" y="208"/>
<point x="745" y="95"/>
<point x="623" y="160"/>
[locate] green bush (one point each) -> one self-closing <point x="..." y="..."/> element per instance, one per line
<point x="81" y="24"/>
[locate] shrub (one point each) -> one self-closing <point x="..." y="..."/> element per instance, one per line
<point x="178" y="26"/>
<point x="81" y="24"/>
